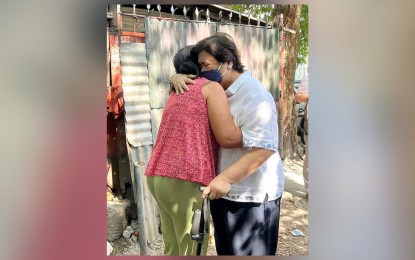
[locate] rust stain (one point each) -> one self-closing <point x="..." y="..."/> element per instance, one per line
<point x="115" y="61"/>
<point x="136" y="34"/>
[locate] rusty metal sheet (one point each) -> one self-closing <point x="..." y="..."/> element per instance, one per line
<point x="259" y="50"/>
<point x="115" y="60"/>
<point x="163" y="39"/>
<point x="142" y="155"/>
<point x="136" y="93"/>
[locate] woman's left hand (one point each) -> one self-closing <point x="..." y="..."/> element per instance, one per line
<point x="217" y="188"/>
<point x="178" y="82"/>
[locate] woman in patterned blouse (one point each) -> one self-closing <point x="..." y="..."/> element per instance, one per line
<point x="186" y="152"/>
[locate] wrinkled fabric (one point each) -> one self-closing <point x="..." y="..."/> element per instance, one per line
<point x="186" y="147"/>
<point x="254" y="111"/>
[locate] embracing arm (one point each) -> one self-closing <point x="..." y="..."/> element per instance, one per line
<point x="226" y="132"/>
<point x="178" y="82"/>
<point x="241" y="169"/>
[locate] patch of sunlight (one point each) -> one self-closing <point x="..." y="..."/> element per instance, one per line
<point x="292" y="176"/>
<point x="175" y="208"/>
<point x="285" y="218"/>
<point x="264" y="112"/>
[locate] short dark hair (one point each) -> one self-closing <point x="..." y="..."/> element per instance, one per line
<point x="184" y="62"/>
<point x="222" y="47"/>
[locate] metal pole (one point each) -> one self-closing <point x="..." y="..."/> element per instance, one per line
<point x="142" y="236"/>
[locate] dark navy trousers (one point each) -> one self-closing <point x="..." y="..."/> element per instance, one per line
<point x="246" y="228"/>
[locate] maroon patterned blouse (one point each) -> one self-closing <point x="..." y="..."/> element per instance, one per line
<point x="186" y="147"/>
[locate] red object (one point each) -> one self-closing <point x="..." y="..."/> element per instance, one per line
<point x="186" y="147"/>
<point x="115" y="61"/>
<point x="115" y="101"/>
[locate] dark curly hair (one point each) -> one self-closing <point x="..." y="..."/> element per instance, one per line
<point x="222" y="47"/>
<point x="184" y="62"/>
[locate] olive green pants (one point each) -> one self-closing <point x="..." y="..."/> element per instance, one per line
<point x="177" y="199"/>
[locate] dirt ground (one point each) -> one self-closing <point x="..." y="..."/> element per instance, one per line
<point x="294" y="216"/>
<point x="294" y="212"/>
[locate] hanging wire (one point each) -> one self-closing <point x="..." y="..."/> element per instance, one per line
<point x="184" y="12"/>
<point x="173" y="10"/>
<point x="221" y="19"/>
<point x="207" y="15"/>
<point x="148" y="10"/>
<point x="197" y="14"/>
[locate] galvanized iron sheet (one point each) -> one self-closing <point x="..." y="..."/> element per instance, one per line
<point x="142" y="155"/>
<point x="163" y="39"/>
<point x="138" y="123"/>
<point x="258" y="47"/>
<point x="136" y="93"/>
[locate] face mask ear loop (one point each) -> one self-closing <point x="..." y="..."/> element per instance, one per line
<point x="220" y="66"/>
<point x="219" y="70"/>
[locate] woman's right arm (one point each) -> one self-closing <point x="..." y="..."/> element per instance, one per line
<point x="226" y="132"/>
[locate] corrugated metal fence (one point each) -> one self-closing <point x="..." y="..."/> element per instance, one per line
<point x="138" y="123"/>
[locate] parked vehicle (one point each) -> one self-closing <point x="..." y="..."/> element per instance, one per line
<point x="300" y="111"/>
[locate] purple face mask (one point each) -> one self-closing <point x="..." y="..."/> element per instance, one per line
<point x="213" y="75"/>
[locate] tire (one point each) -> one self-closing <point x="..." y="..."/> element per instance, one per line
<point x="300" y="130"/>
